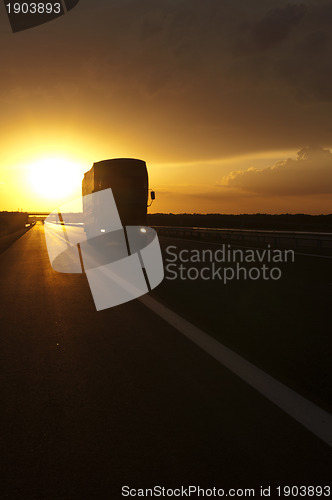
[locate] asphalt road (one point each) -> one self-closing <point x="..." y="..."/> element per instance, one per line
<point x="92" y="401"/>
<point x="283" y="326"/>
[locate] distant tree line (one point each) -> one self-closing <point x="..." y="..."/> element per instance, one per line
<point x="283" y="222"/>
<point x="11" y="221"/>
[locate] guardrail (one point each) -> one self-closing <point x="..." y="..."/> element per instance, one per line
<point x="306" y="241"/>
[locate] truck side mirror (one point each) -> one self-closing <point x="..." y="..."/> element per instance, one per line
<point x="153" y="195"/>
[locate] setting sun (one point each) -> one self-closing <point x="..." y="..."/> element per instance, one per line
<point x="55" y="177"/>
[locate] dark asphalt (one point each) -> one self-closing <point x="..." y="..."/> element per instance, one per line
<point x="93" y="400"/>
<point x="282" y="326"/>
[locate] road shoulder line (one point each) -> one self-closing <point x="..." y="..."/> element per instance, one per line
<point x="315" y="419"/>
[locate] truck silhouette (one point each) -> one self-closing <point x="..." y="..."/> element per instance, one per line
<point x="128" y="179"/>
<point x="120" y="256"/>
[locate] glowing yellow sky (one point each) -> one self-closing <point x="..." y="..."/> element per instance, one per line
<point x="190" y="91"/>
<point x="31" y="178"/>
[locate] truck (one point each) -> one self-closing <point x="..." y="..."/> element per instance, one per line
<point x="128" y="179"/>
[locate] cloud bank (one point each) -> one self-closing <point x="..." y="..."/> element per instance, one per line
<point x="309" y="174"/>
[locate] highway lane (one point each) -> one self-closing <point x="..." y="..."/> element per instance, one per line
<point x="283" y="326"/>
<point x="95" y="400"/>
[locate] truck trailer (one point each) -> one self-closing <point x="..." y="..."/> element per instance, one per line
<point x="128" y="179"/>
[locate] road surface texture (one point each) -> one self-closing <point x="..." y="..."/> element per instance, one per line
<point x="92" y="401"/>
<point x="283" y="326"/>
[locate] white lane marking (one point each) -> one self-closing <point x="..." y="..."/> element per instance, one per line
<point x="316" y="420"/>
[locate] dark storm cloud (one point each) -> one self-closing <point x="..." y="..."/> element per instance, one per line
<point x="277" y="24"/>
<point x="212" y="51"/>
<point x="191" y="73"/>
<point x="310" y="173"/>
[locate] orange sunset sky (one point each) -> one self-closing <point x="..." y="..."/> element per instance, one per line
<point x="228" y="102"/>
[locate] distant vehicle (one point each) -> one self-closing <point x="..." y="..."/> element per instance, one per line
<point x="128" y="179"/>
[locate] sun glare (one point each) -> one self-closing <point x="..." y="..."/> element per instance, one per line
<point x="55" y="177"/>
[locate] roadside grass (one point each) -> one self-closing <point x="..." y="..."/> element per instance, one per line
<point x="8" y="239"/>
